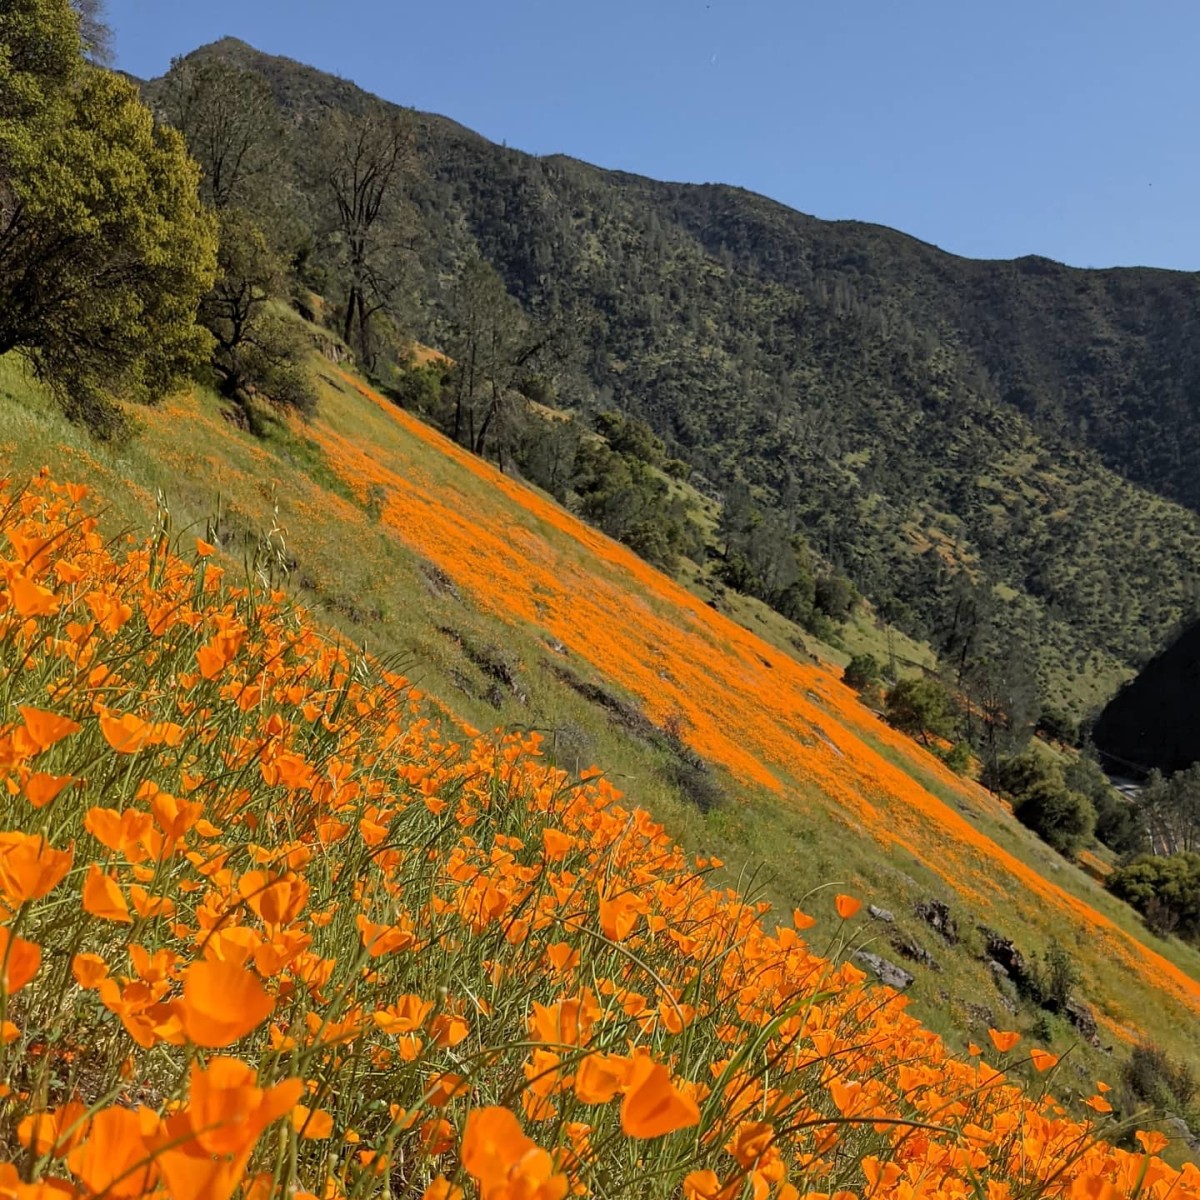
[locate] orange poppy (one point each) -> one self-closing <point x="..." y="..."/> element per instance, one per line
<point x="30" y="599"/>
<point x="40" y="789"/>
<point x="1004" y="1040"/>
<point x="379" y="940"/>
<point x="227" y="1109"/>
<point x="116" y="1158"/>
<point x="222" y="1003"/>
<point x="275" y="900"/>
<point x="203" y="1150"/>
<point x="56" y="1132"/>
<point x="557" y="844"/>
<point x="46" y="728"/>
<point x="126" y="734"/>
<point x="437" y="1137"/>
<point x="312" y="1124"/>
<point x="701" y="1185"/>
<point x="88" y="970"/>
<point x="599" y="1077"/>
<point x="19" y="961"/>
<point x="30" y="867"/>
<point x="504" y="1162"/>
<point x="1152" y="1142"/>
<point x="102" y="897"/>
<point x="440" y="1188"/>
<point x="1043" y="1060"/>
<point x="618" y="916"/>
<point x="846" y="906"/>
<point x="566" y="1023"/>
<point x="653" y="1106"/>
<point x="801" y="920"/>
<point x="448" y="1029"/>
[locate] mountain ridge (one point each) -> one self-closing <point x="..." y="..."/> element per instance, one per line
<point x="933" y="425"/>
<point x="231" y="45"/>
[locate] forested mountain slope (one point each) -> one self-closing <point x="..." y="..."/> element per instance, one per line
<point x="1000" y="454"/>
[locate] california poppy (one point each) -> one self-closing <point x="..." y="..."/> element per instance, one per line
<point x="127" y="733"/>
<point x="102" y="897"/>
<point x="312" y="1124"/>
<point x="1043" y="1060"/>
<point x="222" y="1003"/>
<point x="653" y="1106"/>
<point x="46" y="728"/>
<point x="116" y="1158"/>
<point x="30" y="867"/>
<point x="40" y="789"/>
<point x="29" y="598"/>
<point x="19" y="961"/>
<point x="1004" y="1040"/>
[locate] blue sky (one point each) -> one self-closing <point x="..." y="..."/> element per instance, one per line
<point x="992" y="128"/>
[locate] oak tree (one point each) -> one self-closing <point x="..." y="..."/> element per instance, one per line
<point x="105" y="249"/>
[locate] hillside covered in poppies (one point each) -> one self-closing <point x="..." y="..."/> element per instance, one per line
<point x="276" y="923"/>
<point x="256" y="873"/>
<point x="496" y="659"/>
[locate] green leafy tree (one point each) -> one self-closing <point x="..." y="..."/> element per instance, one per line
<point x="1120" y="824"/>
<point x="105" y="249"/>
<point x="1165" y="890"/>
<point x="836" y="597"/>
<point x="489" y="342"/>
<point x="862" y="671"/>
<point x="920" y="708"/>
<point x="258" y="351"/>
<point x="629" y="501"/>
<point x="1062" y="818"/>
<point x="1044" y="800"/>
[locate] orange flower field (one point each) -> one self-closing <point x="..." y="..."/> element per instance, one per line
<point x="273" y="925"/>
<point x="743" y="704"/>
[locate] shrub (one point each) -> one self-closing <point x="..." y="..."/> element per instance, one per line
<point x="1165" y="890"/>
<point x="1061" y="816"/>
<point x="920" y="707"/>
<point x="1151" y="1076"/>
<point x="1053" y="979"/>
<point x="1063" y="819"/>
<point x="836" y="597"/>
<point x="958" y="757"/>
<point x="862" y="671"/>
<point x="1058" y="726"/>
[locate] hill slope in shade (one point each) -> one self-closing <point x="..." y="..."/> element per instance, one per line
<point x="481" y="586"/>
<point x="1154" y="721"/>
<point x="933" y="424"/>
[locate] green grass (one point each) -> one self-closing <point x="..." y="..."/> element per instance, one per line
<point x="362" y="580"/>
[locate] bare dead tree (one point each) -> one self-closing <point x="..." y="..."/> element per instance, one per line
<point x="95" y="31"/>
<point x="232" y="125"/>
<point x="366" y="160"/>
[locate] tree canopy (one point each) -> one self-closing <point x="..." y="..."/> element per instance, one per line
<point x="105" y="249"/>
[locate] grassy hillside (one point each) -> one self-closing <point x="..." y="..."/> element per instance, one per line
<point x="360" y="950"/>
<point x="1021" y="433"/>
<point x="515" y="615"/>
